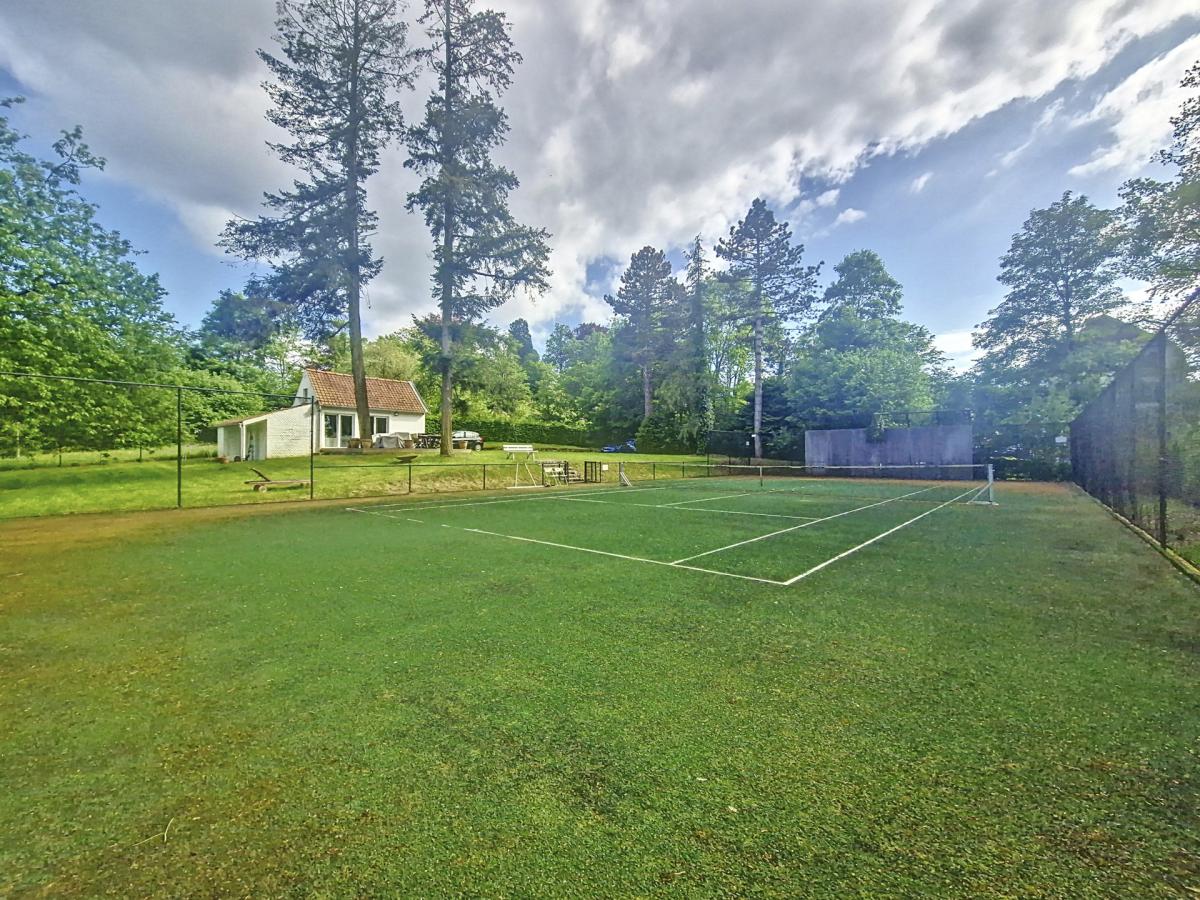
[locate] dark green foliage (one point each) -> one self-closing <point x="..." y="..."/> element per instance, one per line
<point x="1160" y="220"/>
<point x="772" y="285"/>
<point x="864" y="287"/>
<point x="1050" y="344"/>
<point x="643" y="302"/>
<point x="73" y="302"/>
<point x="518" y="330"/>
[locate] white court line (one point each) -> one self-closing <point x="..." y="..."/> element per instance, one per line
<point x="705" y="509"/>
<point x="763" y="537"/>
<point x="878" y="537"/>
<point x="708" y="499"/>
<point x="420" y="505"/>
<point x="657" y="562"/>
<point x="513" y="537"/>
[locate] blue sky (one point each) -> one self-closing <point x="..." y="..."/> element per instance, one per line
<point x="928" y="140"/>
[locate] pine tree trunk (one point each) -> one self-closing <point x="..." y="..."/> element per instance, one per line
<point x="354" y="288"/>
<point x="647" y="393"/>
<point x="758" y="385"/>
<point x="447" y="277"/>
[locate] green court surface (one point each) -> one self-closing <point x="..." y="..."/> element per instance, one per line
<point x="774" y="530"/>
<point x="601" y="691"/>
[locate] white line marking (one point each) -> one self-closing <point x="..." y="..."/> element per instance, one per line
<point x="878" y="537"/>
<point x="656" y="562"/>
<point x="707" y="509"/>
<point x="708" y="499"/>
<point x="763" y="537"/>
<point x="513" y="537"/>
<point x="419" y="505"/>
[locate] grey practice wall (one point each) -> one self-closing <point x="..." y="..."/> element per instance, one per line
<point x="935" y="445"/>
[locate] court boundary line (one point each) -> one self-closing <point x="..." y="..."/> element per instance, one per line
<point x="708" y="509"/>
<point x="684" y="503"/>
<point x="418" y="505"/>
<point x="609" y="553"/>
<point x="879" y="537"/>
<point x="681" y="563"/>
<point x="763" y="537"/>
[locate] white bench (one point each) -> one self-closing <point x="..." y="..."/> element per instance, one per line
<point x="513" y="449"/>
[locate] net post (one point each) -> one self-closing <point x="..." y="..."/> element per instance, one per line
<point x="991" y="483"/>
<point x="760" y="476"/>
<point x="178" y="448"/>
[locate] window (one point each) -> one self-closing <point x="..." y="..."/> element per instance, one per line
<point x="379" y="425"/>
<point x="338" y="430"/>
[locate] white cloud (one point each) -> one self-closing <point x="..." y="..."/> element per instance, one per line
<point x="634" y="121"/>
<point x="1045" y="120"/>
<point x="849" y="216"/>
<point x="960" y="353"/>
<point x="1138" y="112"/>
<point x="918" y="184"/>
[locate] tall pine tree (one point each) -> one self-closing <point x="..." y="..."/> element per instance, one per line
<point x="701" y="405"/>
<point x="644" y="299"/>
<point x="481" y="254"/>
<point x="335" y="94"/>
<point x="774" y="285"/>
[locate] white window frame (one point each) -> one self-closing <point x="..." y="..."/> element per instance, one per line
<point x="340" y="438"/>
<point x="386" y="423"/>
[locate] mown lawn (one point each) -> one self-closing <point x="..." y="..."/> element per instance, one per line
<point x="88" y="484"/>
<point x="306" y="701"/>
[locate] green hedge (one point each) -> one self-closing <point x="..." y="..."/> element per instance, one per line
<point x="522" y="432"/>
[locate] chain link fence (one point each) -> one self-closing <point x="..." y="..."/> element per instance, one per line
<point x="1136" y="447"/>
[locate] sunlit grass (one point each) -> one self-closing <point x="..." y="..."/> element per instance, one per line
<point x="997" y="701"/>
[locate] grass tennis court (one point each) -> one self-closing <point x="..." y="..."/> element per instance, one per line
<point x="311" y="699"/>
<point x="737" y="523"/>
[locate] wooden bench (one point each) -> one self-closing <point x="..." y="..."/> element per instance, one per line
<point x="513" y="449"/>
<point x="265" y="482"/>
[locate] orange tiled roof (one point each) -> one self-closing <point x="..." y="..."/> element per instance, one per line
<point x="383" y="394"/>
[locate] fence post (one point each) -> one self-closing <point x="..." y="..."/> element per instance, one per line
<point x="179" y="448"/>
<point x="312" y="447"/>
<point x="653" y="471"/>
<point x="410" y="478"/>
<point x="1161" y="402"/>
<point x="485" y="476"/>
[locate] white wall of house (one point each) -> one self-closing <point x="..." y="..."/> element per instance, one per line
<point x="303" y="390"/>
<point x="288" y="431"/>
<point x="228" y="444"/>
<point x="284" y="432"/>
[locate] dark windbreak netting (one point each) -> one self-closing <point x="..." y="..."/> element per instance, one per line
<point x="916" y="482"/>
<point x="1136" y="447"/>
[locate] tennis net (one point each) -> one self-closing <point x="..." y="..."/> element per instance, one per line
<point x="936" y="483"/>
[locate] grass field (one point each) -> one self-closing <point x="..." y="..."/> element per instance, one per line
<point x="89" y="483"/>
<point x="540" y="695"/>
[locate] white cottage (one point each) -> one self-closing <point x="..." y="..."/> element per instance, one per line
<point x="395" y="407"/>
